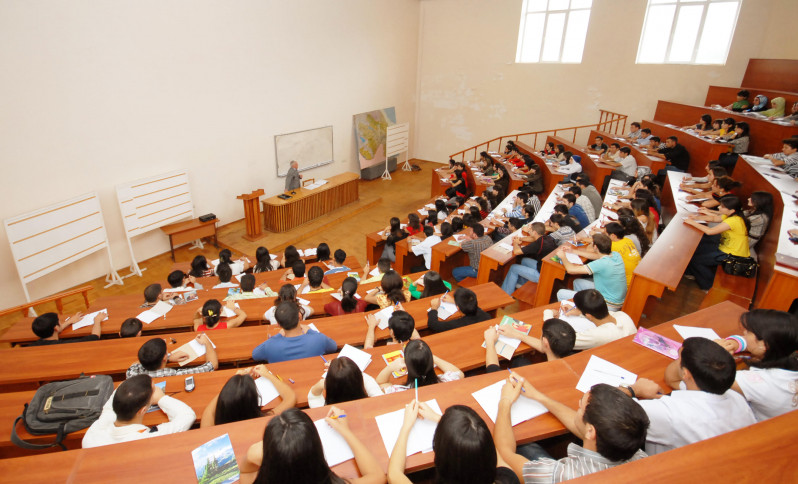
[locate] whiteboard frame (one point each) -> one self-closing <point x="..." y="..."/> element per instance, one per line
<point x="332" y="146"/>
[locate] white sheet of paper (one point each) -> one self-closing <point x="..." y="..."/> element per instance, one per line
<point x="194" y="349"/>
<point x="579" y="323"/>
<point x="420" y="438"/>
<point x="266" y="391"/>
<point x="383" y="316"/>
<point x="446" y="310"/>
<point x="522" y="410"/>
<point x="338" y="296"/>
<point x="303" y="302"/>
<point x="360" y="357"/>
<point x="574" y="259"/>
<point x="239" y="277"/>
<point x="336" y="450"/>
<point x="693" y="331"/>
<point x="88" y="319"/>
<point x="313" y="327"/>
<point x="227" y="312"/>
<point x="599" y="370"/>
<point x="507" y="247"/>
<point x="375" y="272"/>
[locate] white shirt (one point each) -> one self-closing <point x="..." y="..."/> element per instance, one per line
<point x="628" y="165"/>
<point x="372" y="389"/>
<point x="425" y="248"/>
<point x="104" y="432"/>
<point x="689" y="416"/>
<point x="607" y="332"/>
<point x="770" y="392"/>
<point x="236" y="266"/>
<point x="225" y="284"/>
<point x="572" y="167"/>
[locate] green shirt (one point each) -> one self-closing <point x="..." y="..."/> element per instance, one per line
<point x="415" y="292"/>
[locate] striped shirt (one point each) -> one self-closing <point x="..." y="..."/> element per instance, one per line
<point x="474" y="249"/>
<point x="579" y="462"/>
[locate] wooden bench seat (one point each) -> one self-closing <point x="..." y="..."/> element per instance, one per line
<point x="737" y="289"/>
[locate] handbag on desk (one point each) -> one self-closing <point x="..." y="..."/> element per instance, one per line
<point x="740" y="266"/>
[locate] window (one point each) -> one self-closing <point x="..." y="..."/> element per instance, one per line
<point x="688" y="31"/>
<point x="553" y="31"/>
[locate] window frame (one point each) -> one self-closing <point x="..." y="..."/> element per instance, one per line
<point x="567" y="11"/>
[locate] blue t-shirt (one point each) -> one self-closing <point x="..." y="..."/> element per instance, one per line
<point x="279" y="348"/>
<point x="609" y="276"/>
<point x="580" y="215"/>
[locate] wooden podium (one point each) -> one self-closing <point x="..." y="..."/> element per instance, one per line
<point x="252" y="214"/>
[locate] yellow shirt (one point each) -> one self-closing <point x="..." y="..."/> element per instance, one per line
<point x="629" y="254"/>
<point x="735" y="240"/>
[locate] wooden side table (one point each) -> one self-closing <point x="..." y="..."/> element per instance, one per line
<point x="182" y="232"/>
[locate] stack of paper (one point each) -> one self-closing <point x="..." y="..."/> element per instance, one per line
<point x="338" y="296"/>
<point x="522" y="410"/>
<point x="599" y="370"/>
<point x="574" y="259"/>
<point x="155" y="312"/>
<point x="88" y="319"/>
<point x="695" y="332"/>
<point x="194" y="349"/>
<point x="359" y="357"/>
<point x="383" y="316"/>
<point x="375" y="272"/>
<point x="336" y="450"/>
<point x="229" y="313"/>
<point x="266" y="391"/>
<point x="420" y="438"/>
<point x="446" y="309"/>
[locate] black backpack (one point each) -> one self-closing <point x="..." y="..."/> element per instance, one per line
<point x="62" y="407"/>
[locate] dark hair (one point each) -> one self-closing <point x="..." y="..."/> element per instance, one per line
<point x="384" y="265"/>
<point x="440" y="205"/>
<point x="517" y="223"/>
<point x="224" y="272"/>
<point x="291" y="255"/>
<point x="247" y="283"/>
<point x="420" y="367"/>
<point x="287" y="315"/>
<point x="655" y="138"/>
<point x="673" y="138"/>
<point x="152" y="292"/>
<point x="464" y="448"/>
<point x="603" y="244"/>
<point x="392" y="285"/>
<point x="712" y="367"/>
<point x="151" y="354"/>
<point x="791" y="142"/>
<point x="743" y="94"/>
<point x="429" y="230"/>
<point x="466" y="301"/>
<point x="264" y="260"/>
<point x="568" y="155"/>
<point x="176" y="278"/>
<point x="598" y="136"/>
<point x="626" y="150"/>
<point x="198" y="266"/>
<point x="238" y="400"/>
<point x="570" y="198"/>
<point x="730" y="121"/>
<point x="575" y="190"/>
<point x="733" y="203"/>
<point x="339" y="256"/>
<point x="561" y="208"/>
<point x="211" y="312"/>
<point x="225" y="256"/>
<point x="616" y="229"/>
<point x="44" y="326"/>
<point x="315" y="276"/>
<point x="292" y="452"/>
<point x="727" y="184"/>
<point x="779" y="331"/>
<point x="646" y="130"/>
<point x="457" y="224"/>
<point x="298" y="268"/>
<point x="344" y="382"/>
<point x="432" y="219"/>
<point x="132" y="395"/>
<point x="287" y="293"/>
<point x="635" y="124"/>
<point x="323" y="252"/>
<point x="402" y="324"/>
<point x="762" y="203"/>
<point x="560" y="149"/>
<point x="621" y="423"/>
<point x="446" y="230"/>
<point x="474" y="212"/>
<point x="479" y="229"/>
<point x="590" y="301"/>
<point x="560" y="335"/>
<point x="707" y="120"/>
<point x="744" y="127"/>
<point x="348" y="290"/>
<point x="130" y="328"/>
<point x="632" y="226"/>
<point x="413" y="221"/>
<point x="433" y="284"/>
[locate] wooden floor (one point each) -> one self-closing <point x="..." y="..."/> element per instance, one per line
<point x="344" y="228"/>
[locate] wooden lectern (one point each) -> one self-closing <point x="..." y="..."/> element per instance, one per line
<point x="252" y="214"/>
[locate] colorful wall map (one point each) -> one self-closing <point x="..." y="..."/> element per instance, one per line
<point x="370" y="130"/>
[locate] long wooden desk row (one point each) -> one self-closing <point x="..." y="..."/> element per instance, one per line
<point x="723" y="96"/>
<point x="642" y="158"/>
<point x="702" y="150"/>
<point x="113" y="357"/>
<point x="556" y="378"/>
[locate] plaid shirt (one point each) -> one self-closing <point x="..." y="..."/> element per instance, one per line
<point x="474" y="248"/>
<point x="579" y="462"/>
<point x="137" y="369"/>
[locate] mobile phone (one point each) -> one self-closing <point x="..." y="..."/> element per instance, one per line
<point x="190" y="384"/>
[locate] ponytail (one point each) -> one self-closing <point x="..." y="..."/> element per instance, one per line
<point x="348" y="290"/>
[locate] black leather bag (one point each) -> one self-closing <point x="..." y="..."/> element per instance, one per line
<point x="740" y="266"/>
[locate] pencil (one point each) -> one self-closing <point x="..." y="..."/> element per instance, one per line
<point x="511" y="372"/>
<point x="416" y="380"/>
<point x="323" y="358"/>
<point x="343" y="415"/>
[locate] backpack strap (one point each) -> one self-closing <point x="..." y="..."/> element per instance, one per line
<point x="18" y="441"/>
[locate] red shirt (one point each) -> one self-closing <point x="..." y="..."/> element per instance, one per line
<point x="219" y="325"/>
<point x="333" y="308"/>
<point x="410" y="230"/>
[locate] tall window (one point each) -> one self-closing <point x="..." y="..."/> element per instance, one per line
<point x="553" y="31"/>
<point x="688" y="31"/>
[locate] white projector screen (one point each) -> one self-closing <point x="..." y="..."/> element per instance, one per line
<point x="310" y="148"/>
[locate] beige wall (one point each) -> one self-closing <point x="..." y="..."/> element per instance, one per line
<point x="780" y="41"/>
<point x="471" y="90"/>
<point x="97" y="93"/>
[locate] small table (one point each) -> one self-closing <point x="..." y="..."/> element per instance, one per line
<point x="182" y="232"/>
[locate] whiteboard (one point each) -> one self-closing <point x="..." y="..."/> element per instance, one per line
<point x="47" y="239"/>
<point x="310" y="148"/>
<point x="150" y="203"/>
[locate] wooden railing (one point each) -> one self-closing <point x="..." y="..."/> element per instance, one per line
<point x="609" y="122"/>
<point x="58" y="298"/>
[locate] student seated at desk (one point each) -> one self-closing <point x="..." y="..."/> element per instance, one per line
<point x="337" y="264"/>
<point x="572" y="165"/>
<point x="625" y="168"/>
<point x="624" y="246"/>
<point x="533" y="177"/>
<point x="569" y="199"/>
<point x="675" y="155"/>
<point x="610" y="325"/>
<point x="788" y="158"/>
<point x="226" y="257"/>
<point x="464" y="449"/>
<point x="739" y="143"/>
<point x="209" y="316"/>
<point x="560" y="228"/>
<point x="583" y="202"/>
<point x="647" y="216"/>
<point x="634" y="131"/>
<point x="431" y="285"/>
<point x="466" y="301"/>
<point x="322" y="252"/>
<point x="696" y="185"/>
<point x="393" y="290"/>
<point x="599" y="147"/>
<point x="344" y="382"/>
<point x="383" y="266"/>
<point x="645" y="137"/>
<point x="528" y="269"/>
<point x="556" y="341"/>
<point x="609" y="275"/>
<point x="287" y="293"/>
<point x="760" y="104"/>
<point x="777" y="108"/>
<point x="264" y="262"/>
<point x="131" y="328"/>
<point x="611" y="425"/>
<point x="295" y="271"/>
<point x="200" y="267"/>
<point x="294" y="341"/>
<point x="772" y="339"/>
<point x="759" y="213"/>
<point x="123" y="413"/>
<point x="249" y="291"/>
<point x="741" y="104"/>
<point x="179" y="281"/>
<point x="420" y="364"/>
<point x="582" y="180"/>
<point x="291" y="451"/>
<point x="476" y="241"/>
<point x="548" y="150"/>
<point x="702" y="404"/>
<point x="290" y="255"/>
<point x="562" y="209"/>
<point x="154" y="293"/>
<point x="47" y="328"/>
<point x="349" y="303"/>
<point x="508" y="228"/>
<point x="239" y="400"/>
<point x="314" y="282"/>
<point x="704" y="124"/>
<point x="424" y="248"/>
<point x="401" y="328"/>
<point x="634" y="230"/>
<point x="721" y="187"/>
<point x="153" y="358"/>
<point x="225" y="274"/>
<point x="792" y="118"/>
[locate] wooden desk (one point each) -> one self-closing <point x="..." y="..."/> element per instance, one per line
<point x="702" y="150"/>
<point x="306" y="205"/>
<point x="641" y="157"/>
<point x="766" y="136"/>
<point x="723" y="96"/>
<point x="184" y="232"/>
<point x="550" y="176"/>
<point x="595" y="169"/>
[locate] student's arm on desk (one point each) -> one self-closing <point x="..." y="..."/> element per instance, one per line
<point x="372" y="323"/>
<point x="491" y="358"/>
<point x="396" y="464"/>
<point x="717" y="229"/>
<point x="96" y="328"/>
<point x="210" y="351"/>
<point x="181" y="416"/>
<point x="239" y="318"/>
<point x="530" y="341"/>
<point x="569" y="267"/>
<point x="446" y="367"/>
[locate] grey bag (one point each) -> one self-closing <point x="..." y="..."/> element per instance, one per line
<point x="61" y="407"/>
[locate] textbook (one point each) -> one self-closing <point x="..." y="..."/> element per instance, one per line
<point x="215" y="461"/>
<point x="505" y="347"/>
<point x="395" y="355"/>
<point x="658" y="343"/>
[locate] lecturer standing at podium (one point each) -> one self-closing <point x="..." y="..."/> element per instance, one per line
<point x="292" y="178"/>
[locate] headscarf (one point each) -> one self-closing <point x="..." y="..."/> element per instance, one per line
<point x="760" y="103"/>
<point x="778" y="108"/>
